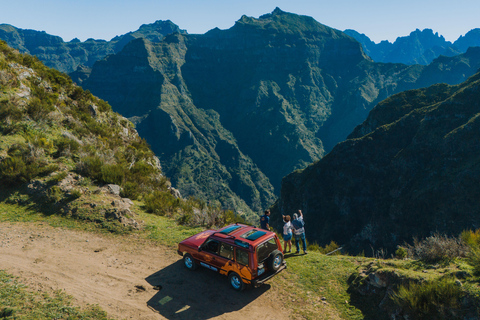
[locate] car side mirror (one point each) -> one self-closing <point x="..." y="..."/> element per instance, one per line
<point x="199" y="248"/>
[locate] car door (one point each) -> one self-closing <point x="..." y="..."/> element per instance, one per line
<point x="223" y="260"/>
<point x="242" y="263"/>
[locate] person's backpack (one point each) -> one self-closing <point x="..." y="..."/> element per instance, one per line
<point x="297" y="224"/>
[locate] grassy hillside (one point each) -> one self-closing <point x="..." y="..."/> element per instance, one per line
<point x="314" y="286"/>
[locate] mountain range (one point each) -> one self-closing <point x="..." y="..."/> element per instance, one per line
<point x="419" y="47"/>
<point x="68" y="56"/>
<point x="231" y="112"/>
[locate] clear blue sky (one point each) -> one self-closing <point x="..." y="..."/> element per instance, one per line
<point x="104" y="19"/>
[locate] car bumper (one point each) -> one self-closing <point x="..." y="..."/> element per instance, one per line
<point x="267" y="276"/>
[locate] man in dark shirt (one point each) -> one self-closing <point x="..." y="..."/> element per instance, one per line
<point x="265" y="220"/>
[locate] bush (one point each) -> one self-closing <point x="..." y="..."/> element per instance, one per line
<point x="161" y="203"/>
<point x="436" y="299"/>
<point x="473" y="259"/>
<point x="112" y="173"/>
<point x="13" y="171"/>
<point x="55" y="194"/>
<point x="66" y="147"/>
<point x="91" y="166"/>
<point x="75" y="194"/>
<point x="437" y="249"/>
<point x="471" y="238"/>
<point x="401" y="252"/>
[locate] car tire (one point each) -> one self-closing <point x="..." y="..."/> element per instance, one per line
<point x="189" y="262"/>
<point x="236" y="281"/>
<point x="275" y="260"/>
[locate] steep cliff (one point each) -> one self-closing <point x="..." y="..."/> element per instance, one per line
<point x="409" y="170"/>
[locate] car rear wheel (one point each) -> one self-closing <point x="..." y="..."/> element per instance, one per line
<point x="275" y="260"/>
<point x="189" y="262"/>
<point x="236" y="281"/>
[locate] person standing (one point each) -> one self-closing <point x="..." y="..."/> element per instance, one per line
<point x="287" y="234"/>
<point x="265" y="220"/>
<point x="299" y="230"/>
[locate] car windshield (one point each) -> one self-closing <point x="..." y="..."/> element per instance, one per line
<point x="265" y="249"/>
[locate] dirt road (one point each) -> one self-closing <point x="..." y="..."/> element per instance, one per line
<point x="127" y="277"/>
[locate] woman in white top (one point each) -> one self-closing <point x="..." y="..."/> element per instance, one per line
<point x="287" y="234"/>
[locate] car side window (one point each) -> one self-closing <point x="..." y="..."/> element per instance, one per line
<point x="241" y="257"/>
<point x="211" y="246"/>
<point x="226" y="251"/>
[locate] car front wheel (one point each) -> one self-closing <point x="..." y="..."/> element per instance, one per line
<point x="236" y="282"/>
<point x="189" y="262"/>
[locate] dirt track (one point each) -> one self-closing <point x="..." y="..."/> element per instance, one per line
<point x="127" y="277"/>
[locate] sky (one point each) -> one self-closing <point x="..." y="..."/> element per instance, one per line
<point x="105" y="19"/>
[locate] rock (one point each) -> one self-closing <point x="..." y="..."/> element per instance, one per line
<point x="93" y="109"/>
<point x="175" y="192"/>
<point x="377" y="280"/>
<point x="114" y="189"/>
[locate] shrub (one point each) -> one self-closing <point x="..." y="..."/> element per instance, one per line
<point x="161" y="203"/>
<point x="13" y="170"/>
<point x="59" y="176"/>
<point x="37" y="109"/>
<point x="66" y="146"/>
<point x="55" y="194"/>
<point x="91" y="166"/>
<point x="75" y="194"/>
<point x="112" y="173"/>
<point x="436" y="299"/>
<point x="471" y="238"/>
<point x="130" y="190"/>
<point x="473" y="259"/>
<point x="437" y="249"/>
<point x="401" y="252"/>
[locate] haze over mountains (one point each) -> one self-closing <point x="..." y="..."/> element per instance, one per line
<point x="419" y="47"/>
<point x="232" y="112"/>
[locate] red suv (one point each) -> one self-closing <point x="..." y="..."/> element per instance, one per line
<point x="247" y="255"/>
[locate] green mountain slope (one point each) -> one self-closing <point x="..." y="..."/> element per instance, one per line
<point x="284" y="89"/>
<point x="231" y="112"/>
<point x="409" y="170"/>
<point x="64" y="151"/>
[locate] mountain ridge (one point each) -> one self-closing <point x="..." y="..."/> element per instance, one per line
<point x="419" y="47"/>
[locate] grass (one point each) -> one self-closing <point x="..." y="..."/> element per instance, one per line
<point x="314" y="286"/>
<point x="18" y="302"/>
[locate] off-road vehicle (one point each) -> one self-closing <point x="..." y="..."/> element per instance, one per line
<point x="245" y="254"/>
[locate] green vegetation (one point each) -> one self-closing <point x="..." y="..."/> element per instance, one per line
<point x="436" y="299"/>
<point x="18" y="302"/>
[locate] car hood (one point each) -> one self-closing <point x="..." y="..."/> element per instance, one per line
<point x="198" y="239"/>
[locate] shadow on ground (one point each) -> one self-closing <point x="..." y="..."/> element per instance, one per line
<point x="199" y="294"/>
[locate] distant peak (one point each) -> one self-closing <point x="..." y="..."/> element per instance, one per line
<point x="277" y="11"/>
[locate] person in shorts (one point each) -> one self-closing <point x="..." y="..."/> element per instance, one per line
<point x="287" y="234"/>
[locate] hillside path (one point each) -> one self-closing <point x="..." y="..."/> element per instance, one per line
<point x="127" y="277"/>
